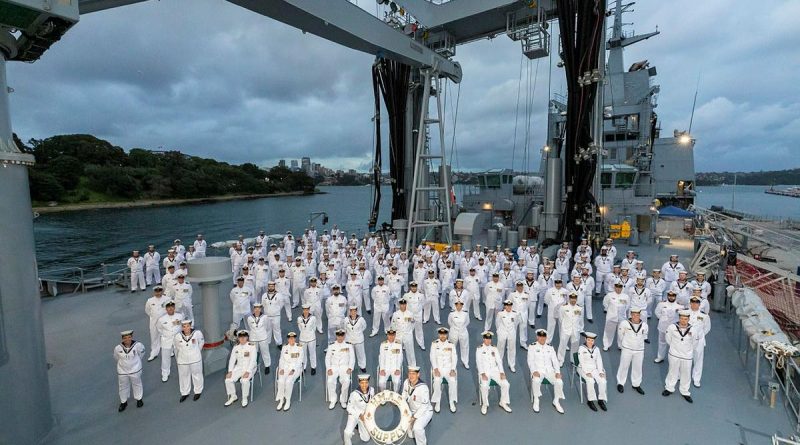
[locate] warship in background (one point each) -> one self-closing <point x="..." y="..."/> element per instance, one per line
<point x="640" y="172"/>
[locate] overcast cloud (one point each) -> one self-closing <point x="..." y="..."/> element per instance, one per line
<point x="219" y="81"/>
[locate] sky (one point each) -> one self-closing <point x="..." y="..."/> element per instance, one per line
<point x="216" y="80"/>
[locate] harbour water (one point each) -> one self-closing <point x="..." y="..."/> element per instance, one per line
<point x="88" y="238"/>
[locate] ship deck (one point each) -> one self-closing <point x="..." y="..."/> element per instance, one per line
<point x="81" y="331"/>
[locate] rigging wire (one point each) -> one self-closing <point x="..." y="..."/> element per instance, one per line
<point x="516" y="111"/>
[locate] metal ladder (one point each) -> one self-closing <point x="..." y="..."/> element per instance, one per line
<point x="430" y="203"/>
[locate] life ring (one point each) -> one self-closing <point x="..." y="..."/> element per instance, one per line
<point x="386" y="437"/>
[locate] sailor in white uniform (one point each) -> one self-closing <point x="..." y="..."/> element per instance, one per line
<point x="354" y="327"/>
<point x="432" y="288"/>
<point x="183" y="296"/>
<point x="200" y="246"/>
<point x="508" y="321"/>
<point x="458" y="321"/>
<point x="390" y="361"/>
<point x="702" y="322"/>
<point x="128" y="355"/>
<point x="339" y="363"/>
<point x="240" y="302"/>
<point x="616" y="304"/>
<point x="136" y="266"/>
<point x="403" y="323"/>
<point x="667" y="313"/>
<point x="490" y="368"/>
<point x="356" y="405"/>
<point x="188" y="347"/>
<point x="290" y="367"/>
<point x="241" y="367"/>
<point x="543" y="364"/>
<point x="307" y="325"/>
<point x="152" y="265"/>
<point x="257" y="324"/>
<point x="443" y="363"/>
<point x="570" y="319"/>
<point x="592" y="371"/>
<point x="168" y="325"/>
<point x="336" y="310"/>
<point x="682" y="339"/>
<point x="417" y="395"/>
<point x="380" y="301"/>
<point x="632" y="335"/>
<point x="155" y="307"/>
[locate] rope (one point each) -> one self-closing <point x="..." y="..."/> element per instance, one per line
<point x="779" y="350"/>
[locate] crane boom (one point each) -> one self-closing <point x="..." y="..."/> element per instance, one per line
<point x="346" y="24"/>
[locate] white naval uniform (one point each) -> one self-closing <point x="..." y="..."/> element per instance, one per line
<point x="168" y="326"/>
<point x="631" y="337"/>
<point x="183" y="300"/>
<point x="521" y="305"/>
<point x="570" y="320"/>
<point x="136" y="265"/>
<point x="432" y="289"/>
<point x="667" y="314"/>
<point x="355" y="293"/>
<point x="444" y="360"/>
<point x="272" y="303"/>
<point x="339" y="362"/>
<point x="403" y="323"/>
<point x="188" y="356"/>
<point x="415" y="301"/>
<point x="532" y="289"/>
<point x="154" y="308"/>
<point x="240" y="304"/>
<point x="259" y="336"/>
<point x="129" y="370"/>
<point x="308" y="339"/>
<point x="390" y="364"/>
<point x="555" y="298"/>
<point x="241" y="361"/>
<point x="602" y="267"/>
<point x="356" y="405"/>
<point x="380" y="301"/>
<point x="290" y="366"/>
<point x="493" y="294"/>
<point x="542" y="359"/>
<point x="616" y="305"/>
<point x="472" y="283"/>
<point x="682" y="343"/>
<point x="457" y="322"/>
<point x="507" y="325"/>
<point x="152" y="265"/>
<point x="313" y="296"/>
<point x="354" y="334"/>
<point x="490" y="364"/>
<point x="591" y="362"/>
<point x="336" y="310"/>
<point x="701" y="321"/>
<point x="418" y="399"/>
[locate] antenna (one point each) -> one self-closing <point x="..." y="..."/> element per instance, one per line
<point x="694" y="102"/>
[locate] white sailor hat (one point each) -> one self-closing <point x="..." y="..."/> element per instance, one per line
<point x="414" y="369"/>
<point x="684" y="312"/>
<point x="508" y="303"/>
<point x="335" y="286"/>
<point x="363" y="377"/>
<point x="487" y="334"/>
<point x="169" y="303"/>
<point x="640" y="278"/>
<point x="242" y="333"/>
<point x="495" y="274"/>
<point x="240" y="278"/>
<point x="306" y="306"/>
<point x="431" y="271"/>
<point x="291" y="334"/>
<point x="636" y="309"/>
<point x="380" y="277"/>
<point x="573" y="295"/>
<point x="700" y="272"/>
<point x="353" y="307"/>
<point x="177" y="240"/>
<point x="589" y="334"/>
<point x="603" y="248"/>
<point x="158" y="288"/>
<point x="170" y="250"/>
<point x="258" y="305"/>
<point x="520" y="282"/>
<point x="390" y="331"/>
<point x="339" y="332"/>
<point x="695" y="299"/>
<point x="298" y="259"/>
<point x="124" y="333"/>
<point x="187" y="321"/>
<point x="413" y="283"/>
<point x="683" y="272"/>
<point x="459" y="279"/>
<point x="402" y="301"/>
<point x="199" y="235"/>
<point x="631" y="251"/>
<point x="618" y="284"/>
<point x="443" y="330"/>
<point x="655" y="269"/>
<point x="617" y="266"/>
<point x="672" y="292"/>
<point x="697" y="288"/>
<point x="312" y="279"/>
<point x="459" y="301"/>
<point x="135" y="251"/>
<point x="541" y="332"/>
<point x="183" y="274"/>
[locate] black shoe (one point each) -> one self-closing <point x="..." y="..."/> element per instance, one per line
<point x="122" y="407"/>
<point x="532" y="326"/>
<point x="665" y="393"/>
<point x="183" y="398"/>
<point x="638" y="389"/>
<point x="591" y="406"/>
<point x="313" y="371"/>
<point x="538" y="315"/>
<point x="602" y="404"/>
<point x="266" y="370"/>
<point x="197" y="397"/>
<point x="280" y="346"/>
<point x="620" y="388"/>
<point x="369" y="311"/>
<point x="647" y="340"/>
<point x="590" y="320"/>
<point x="139" y="403"/>
<point x="688" y="399"/>
<point x="363" y="369"/>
